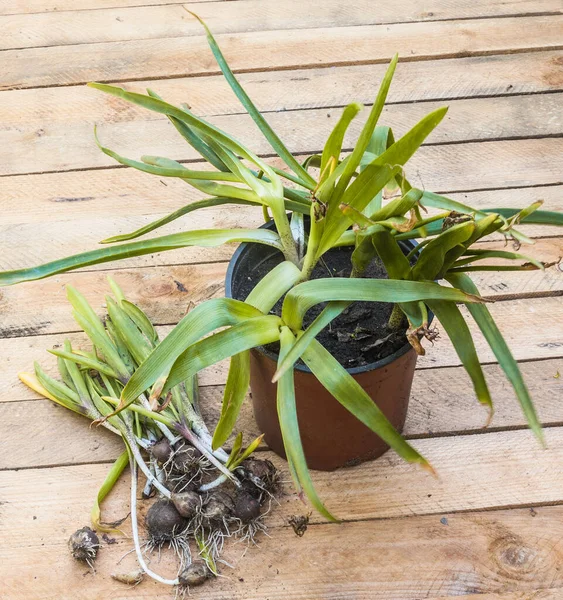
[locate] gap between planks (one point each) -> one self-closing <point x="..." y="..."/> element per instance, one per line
<point x="273" y="51"/>
<point x="35" y="146"/>
<point x="529" y="327"/>
<point x="442" y="404"/>
<point x="166" y="292"/>
<point x="476" y="472"/>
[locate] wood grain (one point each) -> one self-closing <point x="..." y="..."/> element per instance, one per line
<point x="50" y="146"/>
<point x="471" y="555"/>
<point x="18" y="7"/>
<point x="501" y="555"/>
<point x="39" y="29"/>
<point x="260" y="51"/>
<point x="444" y="79"/>
<point x="442" y="403"/>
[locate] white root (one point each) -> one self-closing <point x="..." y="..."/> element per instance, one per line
<point x="135" y="526"/>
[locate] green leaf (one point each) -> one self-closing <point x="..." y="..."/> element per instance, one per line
<point x="247" y="451"/>
<point x="57" y="391"/>
<point x="273" y="286"/>
<point x="193" y="139"/>
<point x="262" y="124"/>
<point x="109" y="482"/>
<point x="236" y="389"/>
<point x="333" y="144"/>
<point x="305" y="295"/>
<point x="475" y="255"/>
<point x="432" y="257"/>
<point x="84" y="361"/>
<point x="89" y="321"/>
<point x="235" y="450"/>
<point x="136" y="343"/>
<point x="396" y="263"/>
<point x="438" y="201"/>
<point x="187" y="117"/>
<point x="502" y="352"/>
<point x="206" y="238"/>
<point x="141" y="320"/>
<point x="334" y="377"/>
<point x="381" y="139"/>
<point x="366" y="133"/>
<point x="538" y="217"/>
<point x="251" y="333"/>
<point x="376" y="174"/>
<point x="455" y="326"/>
<point x="208" y="202"/>
<point x="202" y="320"/>
<point x="166" y="167"/>
<point x="399" y="206"/>
<point x="289" y="425"/>
<point x="328" y="314"/>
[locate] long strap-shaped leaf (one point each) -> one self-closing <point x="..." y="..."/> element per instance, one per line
<point x="305" y="295"/>
<point x="203" y="319"/>
<point x="206" y="238"/>
<point x="289" y="425"/>
<point x="273" y="286"/>
<point x="501" y="350"/>
<point x="538" y="217"/>
<point x="235" y="392"/>
<point x="353" y="397"/>
<point x="329" y="313"/>
<point x="366" y="133"/>
<point x="250" y="333"/>
<point x="245" y="100"/>
<point x="333" y="146"/>
<point x="453" y="322"/>
<point x="159" y="106"/>
<point x="193" y="139"/>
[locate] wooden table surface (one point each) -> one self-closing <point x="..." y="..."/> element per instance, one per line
<point x="491" y="526"/>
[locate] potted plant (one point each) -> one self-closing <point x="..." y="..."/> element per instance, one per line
<point x="308" y="281"/>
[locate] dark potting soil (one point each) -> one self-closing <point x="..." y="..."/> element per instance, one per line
<point x="357" y="337"/>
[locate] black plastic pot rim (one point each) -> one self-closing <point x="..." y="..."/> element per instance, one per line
<point x="298" y="367"/>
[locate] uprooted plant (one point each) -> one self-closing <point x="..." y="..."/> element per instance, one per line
<point x="334" y="202"/>
<point x="206" y="494"/>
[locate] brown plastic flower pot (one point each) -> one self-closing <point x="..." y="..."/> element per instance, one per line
<point x="332" y="437"/>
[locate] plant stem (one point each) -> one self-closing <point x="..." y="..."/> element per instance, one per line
<point x="310" y="259"/>
<point x="284" y="231"/>
<point x="196" y="442"/>
<point x="396" y="318"/>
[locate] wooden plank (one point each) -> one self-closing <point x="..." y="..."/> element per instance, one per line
<point x="503" y="555"/>
<point x="444" y="79"/>
<point x="36" y="147"/>
<point x="134" y="199"/>
<point x="527" y="325"/>
<point x="165" y="293"/>
<point x="449" y="168"/>
<point x="171" y="20"/>
<point x="476" y="472"/>
<point x="168" y="57"/>
<point x="442" y="403"/>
